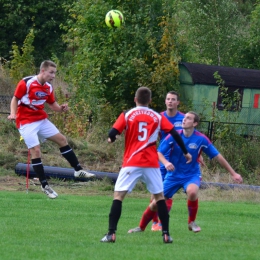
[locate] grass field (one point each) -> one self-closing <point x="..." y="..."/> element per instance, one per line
<point x="70" y="227"/>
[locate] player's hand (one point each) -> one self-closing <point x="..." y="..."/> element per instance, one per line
<point x="64" y="107"/>
<point x="237" y="178"/>
<point x="110" y="141"/>
<point x="188" y="157"/>
<point x="169" y="166"/>
<point x="11" y="117"/>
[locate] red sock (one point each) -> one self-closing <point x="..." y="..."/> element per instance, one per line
<point x="169" y="204"/>
<point x="192" y="209"/>
<point x="146" y="218"/>
<point x="155" y="217"/>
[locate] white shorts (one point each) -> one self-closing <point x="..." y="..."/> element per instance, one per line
<point x="37" y="132"/>
<point x="129" y="176"/>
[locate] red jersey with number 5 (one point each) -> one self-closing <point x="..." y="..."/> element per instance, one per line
<point x="142" y="126"/>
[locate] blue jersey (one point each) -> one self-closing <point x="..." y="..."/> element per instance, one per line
<point x="177" y="122"/>
<point x="195" y="144"/>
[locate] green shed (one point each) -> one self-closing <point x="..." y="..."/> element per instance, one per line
<point x="199" y="88"/>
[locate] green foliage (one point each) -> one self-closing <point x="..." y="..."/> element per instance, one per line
<point x="6" y="82"/>
<point x="228" y="98"/>
<point x="212" y="32"/>
<point x="19" y="16"/>
<point x="7" y="127"/>
<point x="9" y="143"/>
<point x="102" y="122"/>
<point x="246" y="7"/>
<point x="73" y="123"/>
<point x="6" y="159"/>
<point x="252" y="46"/>
<point x="22" y="63"/>
<point x="108" y="65"/>
<point x="226" y="131"/>
<point x="242" y="153"/>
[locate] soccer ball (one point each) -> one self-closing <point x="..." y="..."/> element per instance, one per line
<point x="114" y="18"/>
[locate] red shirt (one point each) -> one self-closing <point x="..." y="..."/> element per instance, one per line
<point x="142" y="126"/>
<point x="32" y="96"/>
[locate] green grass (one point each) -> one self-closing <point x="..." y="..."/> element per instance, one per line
<point x="70" y="227"/>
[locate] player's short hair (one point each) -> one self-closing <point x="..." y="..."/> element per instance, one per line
<point x="172" y="92"/>
<point x="196" y="116"/>
<point x="143" y="95"/>
<point x="47" y="63"/>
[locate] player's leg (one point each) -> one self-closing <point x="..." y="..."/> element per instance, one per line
<point x="155" y="219"/>
<point x="49" y="131"/>
<point x="148" y="215"/>
<point x="192" y="189"/>
<point x="169" y="202"/>
<point x="127" y="178"/>
<point x="29" y="132"/>
<point x="146" y="218"/>
<point x="114" y="216"/>
<point x="171" y="185"/>
<point x="164" y="217"/>
<point x="156" y="225"/>
<point x="155" y="186"/>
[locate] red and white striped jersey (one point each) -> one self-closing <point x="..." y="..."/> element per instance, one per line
<point x="32" y="96"/>
<point x="142" y="126"/>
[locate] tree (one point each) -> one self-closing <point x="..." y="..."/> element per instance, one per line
<point x="22" y="63"/>
<point x="246" y="6"/>
<point x="18" y="17"/>
<point x="251" y="52"/>
<point x="211" y="31"/>
<point x="108" y="65"/>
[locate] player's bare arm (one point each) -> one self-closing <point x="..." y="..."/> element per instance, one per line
<point x="58" y="108"/>
<point x="223" y="162"/>
<point x="13" y="108"/>
<point x="168" y="165"/>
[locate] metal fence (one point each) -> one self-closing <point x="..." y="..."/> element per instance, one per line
<point x="245" y="130"/>
<point x="245" y="122"/>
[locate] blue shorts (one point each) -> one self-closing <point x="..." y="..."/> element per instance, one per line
<point x="163" y="172"/>
<point x="172" y="184"/>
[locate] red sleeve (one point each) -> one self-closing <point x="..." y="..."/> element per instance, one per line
<point x="20" y="90"/>
<point x="120" y="123"/>
<point x="51" y="98"/>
